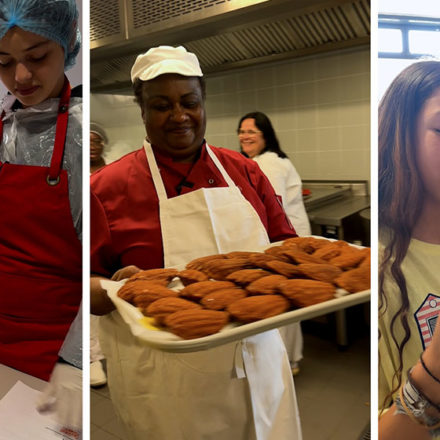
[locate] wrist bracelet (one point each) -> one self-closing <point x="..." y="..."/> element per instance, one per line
<point x="409" y="378"/>
<point x="429" y="423"/>
<point x="413" y="403"/>
<point x="427" y="370"/>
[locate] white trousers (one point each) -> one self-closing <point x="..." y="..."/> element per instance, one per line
<point x="293" y="340"/>
<point x="95" y="347"/>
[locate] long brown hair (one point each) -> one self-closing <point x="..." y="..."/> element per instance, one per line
<point x="400" y="184"/>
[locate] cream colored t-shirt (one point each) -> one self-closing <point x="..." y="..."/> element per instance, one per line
<point x="421" y="268"/>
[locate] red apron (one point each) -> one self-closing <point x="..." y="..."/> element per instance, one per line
<point x="40" y="259"/>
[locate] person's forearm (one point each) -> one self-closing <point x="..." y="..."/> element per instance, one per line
<point x="400" y="427"/>
<point x="427" y="385"/>
<point x="100" y="303"/>
<point x="422" y="379"/>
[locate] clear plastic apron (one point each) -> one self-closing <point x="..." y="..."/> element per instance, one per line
<point x="242" y="390"/>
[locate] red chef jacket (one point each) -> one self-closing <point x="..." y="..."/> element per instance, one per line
<point x="125" y="226"/>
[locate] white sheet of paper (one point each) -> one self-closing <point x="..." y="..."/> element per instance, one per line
<point x="19" y="419"/>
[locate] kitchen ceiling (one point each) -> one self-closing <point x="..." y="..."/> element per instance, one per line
<point x="224" y="34"/>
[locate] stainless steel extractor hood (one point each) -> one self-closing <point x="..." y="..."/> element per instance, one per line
<point x="224" y="34"/>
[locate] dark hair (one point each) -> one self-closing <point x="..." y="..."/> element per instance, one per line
<point x="138" y="87"/>
<point x="400" y="184"/>
<point x="265" y="126"/>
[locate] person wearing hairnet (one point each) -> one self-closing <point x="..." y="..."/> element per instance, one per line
<point x="98" y="140"/>
<point x="175" y="199"/>
<point x="40" y="195"/>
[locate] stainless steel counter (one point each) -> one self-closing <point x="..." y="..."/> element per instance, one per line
<point x="324" y="195"/>
<point x="333" y="213"/>
<point x="333" y="208"/>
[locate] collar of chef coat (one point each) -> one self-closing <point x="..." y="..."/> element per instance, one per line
<point x="203" y="173"/>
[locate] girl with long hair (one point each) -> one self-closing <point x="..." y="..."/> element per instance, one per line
<point x="409" y="280"/>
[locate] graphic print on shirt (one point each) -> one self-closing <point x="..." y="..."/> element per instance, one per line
<point x="426" y="318"/>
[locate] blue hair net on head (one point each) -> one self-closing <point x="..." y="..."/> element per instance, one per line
<point x="56" y="20"/>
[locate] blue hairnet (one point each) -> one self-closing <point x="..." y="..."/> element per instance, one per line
<point x="56" y="20"/>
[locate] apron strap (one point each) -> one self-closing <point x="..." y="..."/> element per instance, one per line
<point x="218" y="164"/>
<point x="1" y="126"/>
<point x="155" y="173"/>
<point x="60" y="135"/>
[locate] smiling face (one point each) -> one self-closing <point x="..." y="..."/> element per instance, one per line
<point x="173" y="112"/>
<point x="428" y="148"/>
<point x="31" y="66"/>
<point x="251" y="138"/>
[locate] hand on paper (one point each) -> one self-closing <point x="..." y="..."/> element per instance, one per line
<point x="63" y="395"/>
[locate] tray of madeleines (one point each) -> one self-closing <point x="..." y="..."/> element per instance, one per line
<point x="222" y="298"/>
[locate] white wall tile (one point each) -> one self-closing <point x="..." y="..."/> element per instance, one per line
<point x="328" y="138"/>
<point x="284" y="74"/>
<point x="328" y="66"/>
<point x="306" y="140"/>
<point x="304" y="70"/>
<point x="285" y="96"/>
<point x="265" y="99"/>
<point x="327" y="115"/>
<point x="246" y="79"/>
<point x="306" y="94"/>
<point x="307" y="117"/>
<point x="328" y="90"/>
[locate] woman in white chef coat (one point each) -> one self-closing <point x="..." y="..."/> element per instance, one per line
<point x="143" y="209"/>
<point x="259" y="142"/>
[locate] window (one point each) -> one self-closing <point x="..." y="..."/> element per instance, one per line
<point x="408" y="37"/>
<point x="404" y="39"/>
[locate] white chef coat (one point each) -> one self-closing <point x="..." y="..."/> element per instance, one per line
<point x="287" y="184"/>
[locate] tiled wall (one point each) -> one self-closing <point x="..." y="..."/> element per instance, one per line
<point x="319" y="107"/>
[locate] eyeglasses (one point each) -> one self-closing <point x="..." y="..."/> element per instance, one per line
<point x="249" y="132"/>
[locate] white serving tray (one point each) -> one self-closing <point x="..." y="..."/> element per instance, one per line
<point x="166" y="341"/>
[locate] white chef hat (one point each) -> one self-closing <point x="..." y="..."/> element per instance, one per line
<point x="165" y="59"/>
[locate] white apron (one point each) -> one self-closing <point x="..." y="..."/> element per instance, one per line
<point x="239" y="391"/>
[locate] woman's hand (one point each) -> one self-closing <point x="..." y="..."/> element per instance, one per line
<point x="63" y="396"/>
<point x="100" y="303"/>
<point x="125" y="272"/>
<point x="392" y="426"/>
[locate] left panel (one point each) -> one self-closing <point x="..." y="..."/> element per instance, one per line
<point x="41" y="219"/>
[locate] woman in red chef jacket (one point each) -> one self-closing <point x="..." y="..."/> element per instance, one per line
<point x="175" y="199"/>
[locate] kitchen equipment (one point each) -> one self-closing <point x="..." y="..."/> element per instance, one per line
<point x="334" y="209"/>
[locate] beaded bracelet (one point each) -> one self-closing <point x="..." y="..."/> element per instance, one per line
<point x="410" y="381"/>
<point x="405" y="405"/>
<point x="427" y="370"/>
